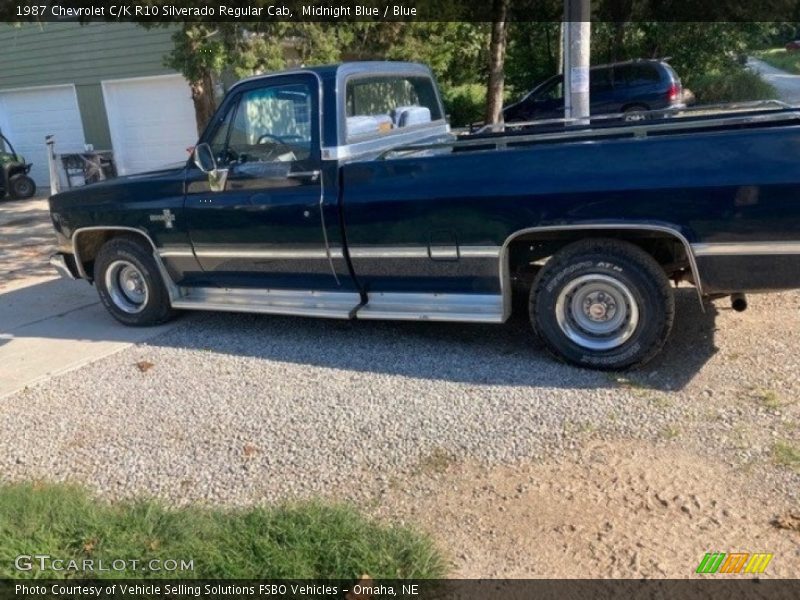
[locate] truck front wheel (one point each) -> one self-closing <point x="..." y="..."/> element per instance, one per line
<point x="130" y="284"/>
<point x="21" y="187"/>
<point x="602" y="304"/>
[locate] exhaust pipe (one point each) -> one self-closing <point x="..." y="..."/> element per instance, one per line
<point x="739" y="302"/>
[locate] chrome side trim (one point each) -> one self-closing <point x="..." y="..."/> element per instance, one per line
<point x="331" y="253"/>
<point x="421" y="251"/>
<point x="276" y="253"/>
<point x="172" y="290"/>
<point x="746" y="248"/>
<point x="505" y="274"/>
<point x="475" y="308"/>
<point x="388" y="252"/>
<point x="336" y="305"/>
<point x="176" y="252"/>
<point x="479" y="251"/>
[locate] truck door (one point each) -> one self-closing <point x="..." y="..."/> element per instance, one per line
<point x="261" y="226"/>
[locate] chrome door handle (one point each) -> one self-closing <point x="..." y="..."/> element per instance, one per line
<point x="312" y="175"/>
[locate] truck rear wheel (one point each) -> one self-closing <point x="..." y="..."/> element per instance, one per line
<point x="602" y="304"/>
<point x="130" y="284"/>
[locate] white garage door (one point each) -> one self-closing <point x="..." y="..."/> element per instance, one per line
<point x="27" y="116"/>
<point x="151" y="120"/>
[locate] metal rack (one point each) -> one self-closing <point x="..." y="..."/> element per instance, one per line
<point x="78" y="168"/>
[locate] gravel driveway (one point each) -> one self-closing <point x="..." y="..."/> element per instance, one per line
<point x="241" y="408"/>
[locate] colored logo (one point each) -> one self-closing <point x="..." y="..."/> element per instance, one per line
<point x="734" y="562"/>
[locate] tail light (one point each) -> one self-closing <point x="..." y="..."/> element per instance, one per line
<point x="674" y="93"/>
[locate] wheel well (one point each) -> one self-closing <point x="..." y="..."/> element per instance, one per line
<point x="527" y="252"/>
<point x="87" y="244"/>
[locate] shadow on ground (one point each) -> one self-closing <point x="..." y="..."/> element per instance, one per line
<point x="26" y="240"/>
<point x="505" y="354"/>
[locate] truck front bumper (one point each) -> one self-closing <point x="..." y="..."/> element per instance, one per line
<point x="64" y="263"/>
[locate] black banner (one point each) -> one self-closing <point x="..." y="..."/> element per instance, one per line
<point x="392" y="10"/>
<point x="712" y="588"/>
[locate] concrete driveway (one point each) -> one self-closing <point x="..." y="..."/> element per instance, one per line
<point x="787" y="84"/>
<point x="48" y="325"/>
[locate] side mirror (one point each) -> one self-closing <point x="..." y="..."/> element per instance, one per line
<point x="204" y="158"/>
<point x="205" y="161"/>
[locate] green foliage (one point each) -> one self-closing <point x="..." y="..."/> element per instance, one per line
<point x="465" y="103"/>
<point x="532" y="55"/>
<point x="731" y="84"/>
<point x="456" y="52"/>
<point x="309" y="540"/>
<point x="787" y="454"/>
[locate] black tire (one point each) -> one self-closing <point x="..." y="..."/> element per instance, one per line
<point x="592" y="283"/>
<point x="126" y="260"/>
<point x="21" y="187"/>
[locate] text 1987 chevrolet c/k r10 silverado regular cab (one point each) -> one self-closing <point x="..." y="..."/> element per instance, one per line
<point x="339" y="191"/>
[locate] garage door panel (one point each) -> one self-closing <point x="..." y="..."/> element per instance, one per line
<point x="151" y="120"/>
<point x="28" y="116"/>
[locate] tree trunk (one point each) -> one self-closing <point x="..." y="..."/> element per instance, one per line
<point x="203" y="98"/>
<point x="497" y="57"/>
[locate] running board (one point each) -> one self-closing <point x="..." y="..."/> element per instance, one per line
<point x="335" y="305"/>
<point x="475" y="308"/>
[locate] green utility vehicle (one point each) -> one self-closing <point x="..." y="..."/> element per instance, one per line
<point x="14" y="178"/>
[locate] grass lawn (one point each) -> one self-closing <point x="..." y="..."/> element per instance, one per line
<point x="301" y="541"/>
<point x="780" y="58"/>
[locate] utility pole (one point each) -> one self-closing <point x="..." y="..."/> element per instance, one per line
<point x="577" y="47"/>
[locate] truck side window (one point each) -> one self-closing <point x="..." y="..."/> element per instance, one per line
<point x="379" y="105"/>
<point x="271" y="124"/>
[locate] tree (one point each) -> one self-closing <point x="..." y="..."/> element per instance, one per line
<point x="199" y="54"/>
<point x="497" y="55"/>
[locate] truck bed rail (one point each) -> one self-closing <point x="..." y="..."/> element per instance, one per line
<point x="705" y="118"/>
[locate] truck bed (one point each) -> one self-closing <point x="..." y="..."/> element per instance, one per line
<point x="727" y="183"/>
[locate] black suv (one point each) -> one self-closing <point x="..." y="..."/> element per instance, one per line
<point x="617" y="88"/>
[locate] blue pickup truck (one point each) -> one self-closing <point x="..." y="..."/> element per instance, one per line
<point x="339" y="191"/>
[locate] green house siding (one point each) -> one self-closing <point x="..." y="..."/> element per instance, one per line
<point x="40" y="54"/>
<point x="93" y="116"/>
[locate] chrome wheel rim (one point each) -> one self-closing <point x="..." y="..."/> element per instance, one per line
<point x="597" y="312"/>
<point x="126" y="286"/>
